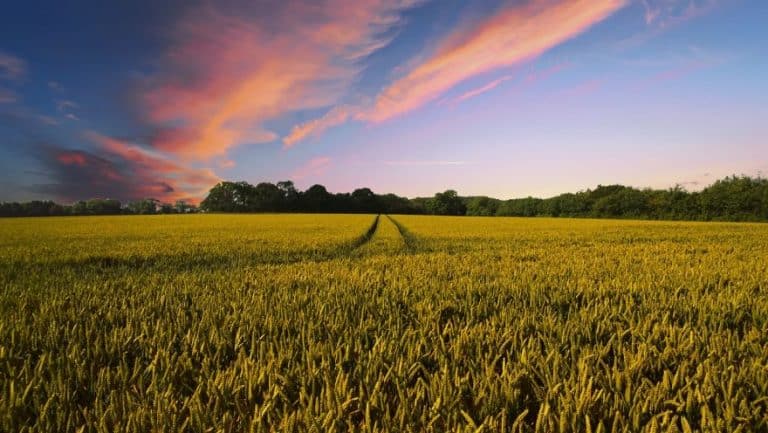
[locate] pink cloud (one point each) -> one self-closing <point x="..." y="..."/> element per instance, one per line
<point x="314" y="167"/>
<point x="426" y="163"/>
<point x="72" y="158"/>
<point x="334" y="117"/>
<point x="226" y="74"/>
<point x="516" y="34"/>
<point x="153" y="174"/>
<point x="480" y="90"/>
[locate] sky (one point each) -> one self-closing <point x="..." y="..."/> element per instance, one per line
<point x="506" y="98"/>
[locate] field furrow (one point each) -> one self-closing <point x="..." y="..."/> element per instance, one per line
<point x="385" y="241"/>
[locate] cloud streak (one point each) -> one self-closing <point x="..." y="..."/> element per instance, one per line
<point x="122" y="170"/>
<point x="480" y="90"/>
<point x="336" y="116"/>
<point x="515" y="34"/>
<point x="664" y="13"/>
<point x="227" y="73"/>
<point x="428" y="163"/>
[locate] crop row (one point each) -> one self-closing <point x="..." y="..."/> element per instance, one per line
<point x="433" y="324"/>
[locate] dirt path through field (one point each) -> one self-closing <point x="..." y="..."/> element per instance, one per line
<point x="386" y="240"/>
<point x="409" y="239"/>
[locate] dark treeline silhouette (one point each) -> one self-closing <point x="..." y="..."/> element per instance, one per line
<point x="95" y="206"/>
<point x="735" y="198"/>
<point x="284" y="197"/>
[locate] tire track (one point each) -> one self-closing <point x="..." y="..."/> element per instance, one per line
<point x="367" y="236"/>
<point x="411" y="242"/>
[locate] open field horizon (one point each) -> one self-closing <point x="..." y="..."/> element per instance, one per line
<point x="307" y="322"/>
<point x="273" y="216"/>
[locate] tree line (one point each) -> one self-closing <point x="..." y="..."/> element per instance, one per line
<point x="96" y="206"/>
<point x="734" y="198"/>
<point x="284" y="197"/>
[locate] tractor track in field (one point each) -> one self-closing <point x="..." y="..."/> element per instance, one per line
<point x="408" y="238"/>
<point x="107" y="263"/>
<point x="367" y="236"/>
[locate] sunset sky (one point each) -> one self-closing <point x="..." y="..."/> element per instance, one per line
<point x="137" y="99"/>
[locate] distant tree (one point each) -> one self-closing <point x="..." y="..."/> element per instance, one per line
<point x="364" y="200"/>
<point x="482" y="206"/>
<point x="147" y="206"/>
<point x="317" y="199"/>
<point x="102" y="207"/>
<point x="446" y="203"/>
<point x="181" y="206"/>
<point x="228" y="197"/>
<point x="735" y="198"/>
<point x="393" y="204"/>
<point x="290" y="196"/>
<point x="624" y="202"/>
<point x="267" y="197"/>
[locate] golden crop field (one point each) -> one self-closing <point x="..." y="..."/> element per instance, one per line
<point x="240" y="323"/>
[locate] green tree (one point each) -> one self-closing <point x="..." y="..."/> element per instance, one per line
<point x="446" y="203"/>
<point x="482" y="206"/>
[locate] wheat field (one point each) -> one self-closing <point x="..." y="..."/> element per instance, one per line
<point x="365" y="323"/>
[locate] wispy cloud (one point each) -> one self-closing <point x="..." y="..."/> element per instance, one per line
<point x="334" y="117"/>
<point x="120" y="169"/>
<point x="665" y="13"/>
<point x="66" y="107"/>
<point x="427" y="163"/>
<point x="11" y="67"/>
<point x="314" y="167"/>
<point x="480" y="90"/>
<point x="515" y="34"/>
<point x="151" y="167"/>
<point x="62" y="105"/>
<point x="69" y="157"/>
<point x="228" y="72"/>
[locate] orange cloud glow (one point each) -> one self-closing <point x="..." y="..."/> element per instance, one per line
<point x="515" y="34"/>
<point x="71" y="158"/>
<point x="227" y="74"/>
<point x="154" y="175"/>
<point x="336" y="116"/>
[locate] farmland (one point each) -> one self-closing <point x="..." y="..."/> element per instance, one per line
<point x="396" y="324"/>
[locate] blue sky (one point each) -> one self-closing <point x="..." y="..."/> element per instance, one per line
<point x="501" y="98"/>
